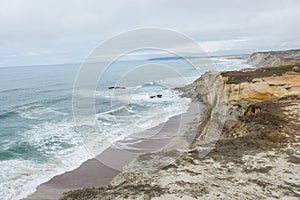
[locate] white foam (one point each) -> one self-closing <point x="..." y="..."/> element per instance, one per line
<point x="38" y="112"/>
<point x="23" y="177"/>
<point x="123" y="126"/>
<point x="20" y="178"/>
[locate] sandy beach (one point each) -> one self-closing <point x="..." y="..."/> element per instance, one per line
<point x="100" y="171"/>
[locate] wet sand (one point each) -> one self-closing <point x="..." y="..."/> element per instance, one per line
<point x="101" y="170"/>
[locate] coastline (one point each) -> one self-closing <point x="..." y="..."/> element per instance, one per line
<point x="93" y="173"/>
<point x="257" y="155"/>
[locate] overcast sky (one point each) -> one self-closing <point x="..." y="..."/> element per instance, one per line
<point x="65" y="31"/>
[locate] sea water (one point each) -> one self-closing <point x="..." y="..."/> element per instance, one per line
<point x="38" y="139"/>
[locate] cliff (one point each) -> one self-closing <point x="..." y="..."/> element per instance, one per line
<point x="256" y="155"/>
<point x="275" y="58"/>
<point x="262" y="83"/>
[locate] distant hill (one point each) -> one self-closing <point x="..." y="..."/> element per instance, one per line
<point x="275" y="58"/>
<point x="172" y="58"/>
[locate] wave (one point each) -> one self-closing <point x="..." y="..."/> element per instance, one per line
<point x="53" y="90"/>
<point x="32" y="111"/>
<point x="119" y="111"/>
<point x="38" y="113"/>
<point x="151" y="84"/>
<point x="46" y="150"/>
<point x="35" y="88"/>
<point x="24" y="176"/>
<point x="8" y="114"/>
<point x="139" y="116"/>
<point x="14" y="89"/>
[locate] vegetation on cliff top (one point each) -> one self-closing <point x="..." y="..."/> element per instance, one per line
<point x="236" y="77"/>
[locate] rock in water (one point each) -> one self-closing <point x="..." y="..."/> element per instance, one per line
<point x="116" y="87"/>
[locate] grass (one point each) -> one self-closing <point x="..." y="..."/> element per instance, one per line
<point x="236" y="77"/>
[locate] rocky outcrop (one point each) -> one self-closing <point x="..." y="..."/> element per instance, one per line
<point x="256" y="155"/>
<point x="286" y="84"/>
<point x="275" y="58"/>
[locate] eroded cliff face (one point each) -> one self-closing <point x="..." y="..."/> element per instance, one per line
<point x="265" y="87"/>
<point x="275" y="58"/>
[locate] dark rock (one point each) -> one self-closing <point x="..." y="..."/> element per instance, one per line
<point x="152" y="97"/>
<point x="116" y="87"/>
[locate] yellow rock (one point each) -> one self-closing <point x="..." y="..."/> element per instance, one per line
<point x="261" y="88"/>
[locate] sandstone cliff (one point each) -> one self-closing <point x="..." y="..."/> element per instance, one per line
<point x="262" y="83"/>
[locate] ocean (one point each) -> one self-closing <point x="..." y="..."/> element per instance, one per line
<point x="38" y="139"/>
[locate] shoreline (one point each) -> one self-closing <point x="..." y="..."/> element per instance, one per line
<point x="93" y="173"/>
<point x="255" y="156"/>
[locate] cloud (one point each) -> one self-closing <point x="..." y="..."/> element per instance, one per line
<point x="66" y="31"/>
